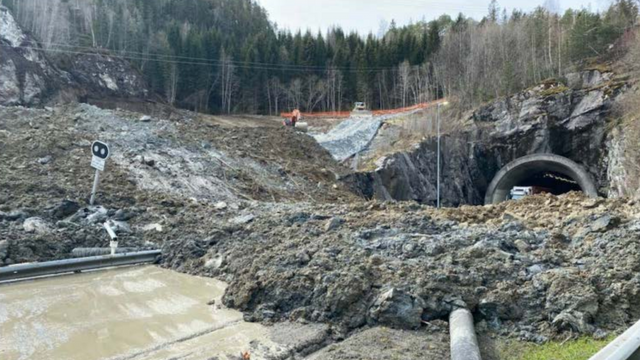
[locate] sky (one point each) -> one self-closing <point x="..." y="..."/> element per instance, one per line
<point x="367" y="15"/>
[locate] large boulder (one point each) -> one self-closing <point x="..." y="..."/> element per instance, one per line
<point x="36" y="225"/>
<point x="398" y="309"/>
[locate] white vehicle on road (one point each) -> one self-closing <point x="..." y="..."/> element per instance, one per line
<point x="518" y="192"/>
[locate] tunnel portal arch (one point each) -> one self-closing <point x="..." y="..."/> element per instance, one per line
<point x="518" y="170"/>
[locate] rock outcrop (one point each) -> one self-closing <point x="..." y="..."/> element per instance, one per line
<point x="24" y="72"/>
<point x="104" y="76"/>
<point x="30" y="78"/>
<point x="550" y="118"/>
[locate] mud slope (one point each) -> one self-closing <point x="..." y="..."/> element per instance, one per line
<point x="160" y="170"/>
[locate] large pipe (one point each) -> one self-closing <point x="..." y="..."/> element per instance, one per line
<point x="23" y="271"/>
<point x="624" y="347"/>
<point x="86" y="252"/>
<point x="464" y="344"/>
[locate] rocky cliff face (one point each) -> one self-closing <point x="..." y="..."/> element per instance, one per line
<point x="623" y="165"/>
<point x="569" y="120"/>
<point x="29" y="78"/>
<point x="23" y="71"/>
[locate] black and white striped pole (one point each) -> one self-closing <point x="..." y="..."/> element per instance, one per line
<point x="100" y="153"/>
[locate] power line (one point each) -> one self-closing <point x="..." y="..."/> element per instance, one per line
<point x="211" y="63"/>
<point x="57" y="46"/>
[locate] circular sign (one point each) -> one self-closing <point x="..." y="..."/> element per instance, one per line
<point x="100" y="149"/>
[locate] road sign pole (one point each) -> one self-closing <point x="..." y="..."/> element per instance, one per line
<point x="96" y="180"/>
<point x="438" y="170"/>
<point x="100" y="153"/>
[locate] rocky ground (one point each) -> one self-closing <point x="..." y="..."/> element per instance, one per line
<point x="264" y="209"/>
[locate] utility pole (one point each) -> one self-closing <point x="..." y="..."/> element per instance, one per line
<point x="445" y="103"/>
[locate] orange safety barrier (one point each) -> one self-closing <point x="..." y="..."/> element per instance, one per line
<point x="329" y="114"/>
<point x="346" y="114"/>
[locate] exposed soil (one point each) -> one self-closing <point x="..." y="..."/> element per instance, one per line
<point x="263" y="208"/>
<point x="159" y="170"/>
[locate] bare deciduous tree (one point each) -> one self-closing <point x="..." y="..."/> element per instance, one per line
<point x="228" y="81"/>
<point x="274" y="94"/>
<point x="294" y="93"/>
<point x="404" y="81"/>
<point x="315" y="92"/>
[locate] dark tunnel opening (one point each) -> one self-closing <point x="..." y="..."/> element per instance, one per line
<point x="551" y="182"/>
<point x="557" y="174"/>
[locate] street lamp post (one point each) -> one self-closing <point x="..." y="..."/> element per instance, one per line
<point x="445" y="103"/>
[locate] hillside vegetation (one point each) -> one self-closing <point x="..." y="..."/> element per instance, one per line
<point x="226" y="56"/>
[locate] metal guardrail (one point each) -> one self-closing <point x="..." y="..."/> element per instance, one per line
<point x="24" y="271"/>
<point x="624" y="347"/>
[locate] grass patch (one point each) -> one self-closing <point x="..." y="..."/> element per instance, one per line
<point x="549" y="82"/>
<point x="596" y="63"/>
<point x="554" y="90"/>
<point x="579" y="349"/>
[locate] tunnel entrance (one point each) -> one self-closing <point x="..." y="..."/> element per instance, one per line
<point x="551" y="173"/>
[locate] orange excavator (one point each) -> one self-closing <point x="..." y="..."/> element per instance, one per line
<point x="295" y="117"/>
<point x="294" y="121"/>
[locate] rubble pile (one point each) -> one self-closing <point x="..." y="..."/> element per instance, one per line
<point x="524" y="270"/>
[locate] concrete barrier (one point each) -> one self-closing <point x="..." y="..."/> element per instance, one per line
<point x="624" y="347"/>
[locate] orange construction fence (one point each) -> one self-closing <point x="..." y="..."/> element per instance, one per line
<point x="328" y="114"/>
<point x="346" y="114"/>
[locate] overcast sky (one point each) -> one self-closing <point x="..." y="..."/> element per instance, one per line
<point x="366" y="15"/>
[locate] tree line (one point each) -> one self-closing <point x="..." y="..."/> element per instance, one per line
<point x="225" y="56"/>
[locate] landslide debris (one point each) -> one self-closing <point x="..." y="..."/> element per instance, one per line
<point x="381" y="343"/>
<point x="262" y="208"/>
<point x="533" y="269"/>
<point x="161" y="170"/>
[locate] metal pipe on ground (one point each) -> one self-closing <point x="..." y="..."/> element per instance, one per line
<point x="624" y="347"/>
<point x="85" y="252"/>
<point x="25" y="271"/>
<point x="463" y="341"/>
